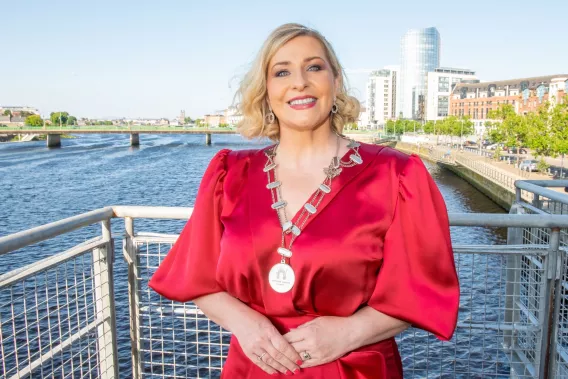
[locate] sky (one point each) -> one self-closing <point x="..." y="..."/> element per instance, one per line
<point x="121" y="58"/>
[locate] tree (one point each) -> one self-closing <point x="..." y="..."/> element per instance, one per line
<point x="59" y="118"/>
<point x="72" y="120"/>
<point x="34" y="120"/>
<point x="7" y="112"/>
<point x="187" y="120"/>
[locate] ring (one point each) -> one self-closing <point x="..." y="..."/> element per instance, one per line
<point x="306" y="356"/>
<point x="260" y="356"/>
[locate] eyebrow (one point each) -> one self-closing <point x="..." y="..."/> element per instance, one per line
<point x="284" y="63"/>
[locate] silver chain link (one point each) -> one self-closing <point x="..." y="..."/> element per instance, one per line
<point x="316" y="198"/>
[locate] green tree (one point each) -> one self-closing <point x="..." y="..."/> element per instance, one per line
<point x="7" y="112"/>
<point x="58" y="118"/>
<point x="34" y="120"/>
<point x="187" y="120"/>
<point x="509" y="127"/>
<point x="72" y="120"/>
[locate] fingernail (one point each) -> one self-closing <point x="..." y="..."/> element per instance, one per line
<point x="299" y="362"/>
<point x="296" y="371"/>
<point x="288" y="373"/>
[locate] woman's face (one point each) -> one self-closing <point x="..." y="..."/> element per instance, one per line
<point x="300" y="83"/>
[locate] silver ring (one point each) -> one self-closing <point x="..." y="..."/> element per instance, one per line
<point x="260" y="356"/>
<point x="306" y="356"/>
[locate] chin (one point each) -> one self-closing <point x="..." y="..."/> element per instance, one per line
<point x="307" y="123"/>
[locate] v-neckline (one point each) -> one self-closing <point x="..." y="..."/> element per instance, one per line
<point x="263" y="200"/>
<point x="297" y="214"/>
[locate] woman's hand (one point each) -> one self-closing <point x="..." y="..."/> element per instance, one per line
<point x="262" y="339"/>
<point x="325" y="339"/>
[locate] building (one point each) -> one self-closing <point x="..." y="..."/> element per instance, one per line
<point x="382" y="96"/>
<point x="363" y="120"/>
<point x="181" y="118"/>
<point x="232" y="116"/>
<point x="214" y="120"/>
<point x="476" y="100"/>
<point x="419" y="54"/>
<point x="439" y="86"/>
<point x="17" y="110"/>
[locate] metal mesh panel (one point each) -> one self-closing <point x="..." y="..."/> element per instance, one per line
<point x="559" y="367"/>
<point x="52" y="322"/>
<point x="177" y="340"/>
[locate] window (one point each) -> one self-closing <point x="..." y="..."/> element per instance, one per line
<point x="443" y="84"/>
<point x="443" y="105"/>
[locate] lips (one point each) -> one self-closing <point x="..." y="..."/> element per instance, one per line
<point x="303" y="102"/>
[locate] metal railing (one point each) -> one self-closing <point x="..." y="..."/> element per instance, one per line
<point x="57" y="315"/>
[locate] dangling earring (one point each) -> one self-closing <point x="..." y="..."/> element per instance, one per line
<point x="270" y="118"/>
<point x="334" y="107"/>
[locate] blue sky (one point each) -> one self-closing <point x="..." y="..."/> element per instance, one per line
<point x="154" y="58"/>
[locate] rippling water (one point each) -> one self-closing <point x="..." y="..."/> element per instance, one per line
<point x="40" y="185"/>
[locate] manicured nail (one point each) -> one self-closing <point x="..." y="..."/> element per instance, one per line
<point x="288" y="373"/>
<point x="296" y="371"/>
<point x="299" y="362"/>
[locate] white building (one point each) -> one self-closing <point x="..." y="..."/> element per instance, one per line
<point x="232" y="116"/>
<point x="440" y="84"/>
<point x="382" y="96"/>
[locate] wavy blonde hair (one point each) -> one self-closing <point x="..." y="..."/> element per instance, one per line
<point x="251" y="97"/>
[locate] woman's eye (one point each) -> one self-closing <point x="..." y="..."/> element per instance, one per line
<point x="315" y="67"/>
<point x="282" y="73"/>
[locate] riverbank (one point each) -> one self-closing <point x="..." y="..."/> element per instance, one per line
<point x="495" y="179"/>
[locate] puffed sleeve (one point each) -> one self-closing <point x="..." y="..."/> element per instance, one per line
<point x="189" y="269"/>
<point x="417" y="281"/>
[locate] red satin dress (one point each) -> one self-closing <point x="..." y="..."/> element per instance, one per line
<point x="380" y="239"/>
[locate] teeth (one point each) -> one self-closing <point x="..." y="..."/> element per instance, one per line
<point x="302" y="101"/>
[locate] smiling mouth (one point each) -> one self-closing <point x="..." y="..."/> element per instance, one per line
<point x="303" y="103"/>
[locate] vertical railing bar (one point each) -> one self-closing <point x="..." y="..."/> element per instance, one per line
<point x="26" y="320"/>
<point x="133" y="273"/>
<point x="78" y="317"/>
<point x="552" y="357"/>
<point x="546" y="315"/>
<point x="107" y="236"/>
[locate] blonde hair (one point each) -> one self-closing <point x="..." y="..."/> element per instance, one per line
<point x="252" y="93"/>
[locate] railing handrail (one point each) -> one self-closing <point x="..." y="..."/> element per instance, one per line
<point x="27" y="237"/>
<point x="536" y="186"/>
<point x="40" y="233"/>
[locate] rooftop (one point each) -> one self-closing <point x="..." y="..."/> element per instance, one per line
<point x="531" y="83"/>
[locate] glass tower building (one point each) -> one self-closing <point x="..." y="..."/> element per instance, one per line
<point x="419" y="54"/>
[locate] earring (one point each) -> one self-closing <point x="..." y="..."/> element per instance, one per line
<point x="334" y="108"/>
<point x="270" y="118"/>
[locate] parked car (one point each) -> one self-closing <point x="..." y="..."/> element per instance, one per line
<point x="515" y="150"/>
<point x="528" y="165"/>
<point x="494" y="146"/>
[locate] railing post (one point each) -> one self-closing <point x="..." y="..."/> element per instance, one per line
<point x="546" y="310"/>
<point x="103" y="278"/>
<point x="512" y="290"/>
<point x="129" y="250"/>
<point x="552" y="359"/>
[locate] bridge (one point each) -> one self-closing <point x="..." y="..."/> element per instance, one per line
<point x="54" y="133"/>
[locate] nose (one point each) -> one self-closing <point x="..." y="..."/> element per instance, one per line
<point x="299" y="80"/>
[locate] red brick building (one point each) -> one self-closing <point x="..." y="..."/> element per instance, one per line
<point x="525" y="95"/>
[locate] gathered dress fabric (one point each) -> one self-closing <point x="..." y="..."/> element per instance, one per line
<point x="380" y="238"/>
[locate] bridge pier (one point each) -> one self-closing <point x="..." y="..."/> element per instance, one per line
<point x="134" y="139"/>
<point x="54" y="140"/>
<point x="208" y="139"/>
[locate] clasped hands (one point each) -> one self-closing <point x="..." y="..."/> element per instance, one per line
<point x="325" y="339"/>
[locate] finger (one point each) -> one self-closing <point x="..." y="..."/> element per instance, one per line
<point x="260" y="363"/>
<point x="295" y="335"/>
<point x="286" y="348"/>
<point x="284" y="353"/>
<point x="269" y="360"/>
<point x="302" y="346"/>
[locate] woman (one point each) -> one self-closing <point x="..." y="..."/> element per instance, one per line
<point x="314" y="288"/>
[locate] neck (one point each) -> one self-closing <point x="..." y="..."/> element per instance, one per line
<point x="304" y="148"/>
